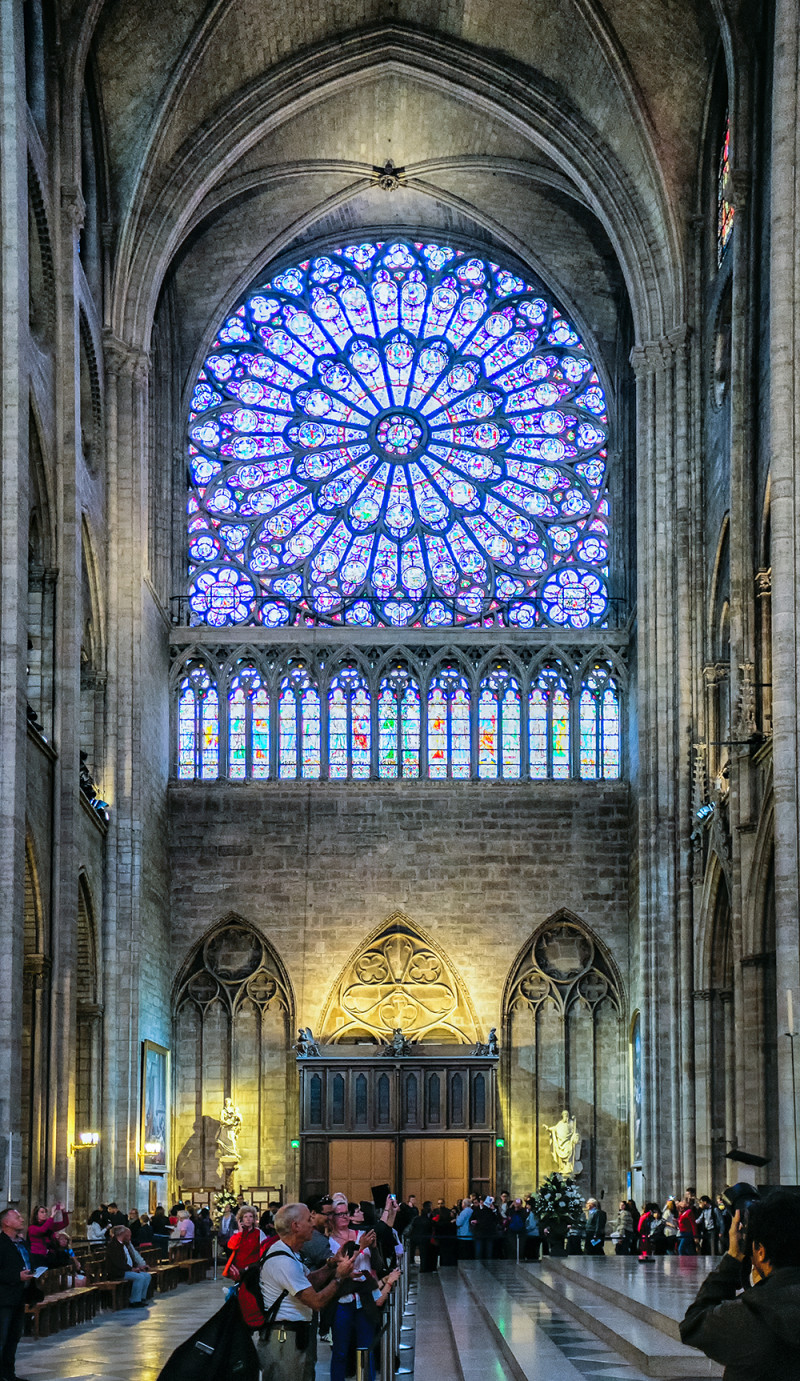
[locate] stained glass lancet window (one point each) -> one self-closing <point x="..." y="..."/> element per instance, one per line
<point x="349" y="735"/>
<point x="725" y="209"/>
<point x="299" y="729"/>
<point x="548" y="724"/>
<point x="599" y="725"/>
<point x="198" y="726"/>
<point x="499" y="716"/>
<point x="398" y="433"/>
<point x="449" y="725"/>
<point x="399" y="716"/>
<point x="248" y="726"/>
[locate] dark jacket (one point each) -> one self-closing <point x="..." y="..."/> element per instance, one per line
<point x="12" y="1289"/>
<point x="116" y="1260"/>
<point x="221" y="1349"/>
<point x="756" y="1337"/>
<point x="485" y="1224"/>
<point x="596" y="1224"/>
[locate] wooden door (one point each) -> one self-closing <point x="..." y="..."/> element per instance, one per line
<point x="436" y="1169"/>
<point x="355" y="1166"/>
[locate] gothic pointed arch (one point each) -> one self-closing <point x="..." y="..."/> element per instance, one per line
<point x="233" y="1014"/>
<point x="565" y="1046"/>
<point x="399" y="977"/>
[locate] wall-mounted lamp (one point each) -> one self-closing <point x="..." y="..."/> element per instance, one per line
<point x="86" y="1140"/>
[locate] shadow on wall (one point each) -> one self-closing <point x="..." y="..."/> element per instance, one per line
<point x="196" y="1162"/>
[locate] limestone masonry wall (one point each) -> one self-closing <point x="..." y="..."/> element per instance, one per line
<point x="479" y="865"/>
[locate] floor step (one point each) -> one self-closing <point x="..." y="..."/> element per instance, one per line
<point x="490" y="1352"/>
<point x="651" y="1349"/>
<point x="657" y="1293"/>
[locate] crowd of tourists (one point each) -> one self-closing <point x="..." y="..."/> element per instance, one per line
<point x="484" y="1227"/>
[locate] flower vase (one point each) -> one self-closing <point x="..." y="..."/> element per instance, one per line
<point x="556" y="1241"/>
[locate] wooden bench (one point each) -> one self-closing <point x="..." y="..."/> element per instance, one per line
<point x="117" y="1292"/>
<point x="195" y="1267"/>
<point x="64" y="1304"/>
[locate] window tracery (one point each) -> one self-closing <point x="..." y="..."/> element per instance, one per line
<point x="499" y="721"/>
<point x="248" y="727"/>
<point x="549" y="724"/>
<point x="599" y="725"/>
<point x="398" y="434"/>
<point x="198" y="726"/>
<point x="449" y="732"/>
<point x="299" y="726"/>
<point x="457" y="721"/>
<point x="399" y="723"/>
<point x="725" y="207"/>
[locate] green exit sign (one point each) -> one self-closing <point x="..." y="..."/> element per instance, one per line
<point x="295" y="1145"/>
<point x="500" y="1141"/>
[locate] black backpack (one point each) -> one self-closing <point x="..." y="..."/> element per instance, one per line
<point x="221" y="1349"/>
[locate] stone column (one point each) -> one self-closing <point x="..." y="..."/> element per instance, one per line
<point x="13" y="575"/>
<point x="785" y="491"/>
<point x="665" y="506"/>
<point x="126" y="374"/>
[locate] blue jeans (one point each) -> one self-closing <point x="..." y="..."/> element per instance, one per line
<point x="140" y="1284"/>
<point x="346" y="1320"/>
<point x="484" y="1248"/>
<point x="686" y="1244"/>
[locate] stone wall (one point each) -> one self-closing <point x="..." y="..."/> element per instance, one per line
<point x="479" y="866"/>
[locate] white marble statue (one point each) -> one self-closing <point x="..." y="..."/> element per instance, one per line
<point x="230" y="1126"/>
<point x="565" y="1143"/>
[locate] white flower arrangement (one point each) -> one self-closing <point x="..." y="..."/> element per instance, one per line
<point x="558" y="1203"/>
<point x="224" y="1201"/>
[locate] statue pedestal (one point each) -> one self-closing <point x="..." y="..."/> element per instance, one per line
<point x="227" y="1166"/>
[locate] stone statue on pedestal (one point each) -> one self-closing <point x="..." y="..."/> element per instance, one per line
<point x="230" y="1126"/>
<point x="399" y="1044"/>
<point x="565" y="1144"/>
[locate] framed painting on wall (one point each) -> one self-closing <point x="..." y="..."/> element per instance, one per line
<point x="154" y="1119"/>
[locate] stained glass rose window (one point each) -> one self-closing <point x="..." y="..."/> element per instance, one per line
<point x="398" y="434"/>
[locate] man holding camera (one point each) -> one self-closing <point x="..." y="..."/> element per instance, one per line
<point x="754" y="1334"/>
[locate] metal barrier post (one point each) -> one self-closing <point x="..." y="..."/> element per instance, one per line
<point x="387" y="1349"/>
<point x="362" y="1364"/>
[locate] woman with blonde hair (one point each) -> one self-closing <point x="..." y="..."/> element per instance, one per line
<point x="245" y="1245"/>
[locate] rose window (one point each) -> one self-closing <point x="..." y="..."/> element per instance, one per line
<point x="398" y="434"/>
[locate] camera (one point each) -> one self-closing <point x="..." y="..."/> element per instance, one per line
<point x="740" y="1196"/>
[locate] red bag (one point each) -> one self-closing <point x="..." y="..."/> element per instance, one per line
<point x="251" y="1305"/>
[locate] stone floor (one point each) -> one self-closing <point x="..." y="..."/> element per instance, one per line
<point x="532" y="1336"/>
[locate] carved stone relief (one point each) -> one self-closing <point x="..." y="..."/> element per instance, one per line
<point x="399" y="981"/>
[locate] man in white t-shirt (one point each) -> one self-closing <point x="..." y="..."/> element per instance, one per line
<point x="287" y="1349"/>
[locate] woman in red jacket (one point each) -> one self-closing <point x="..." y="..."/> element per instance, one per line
<point x="245" y="1245"/>
<point x="41" y="1233"/>
<point x="687" y="1229"/>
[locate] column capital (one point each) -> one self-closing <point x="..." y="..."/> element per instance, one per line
<point x="764" y="582"/>
<point x="656" y="356"/>
<point x="73" y="205"/>
<point x="122" y="359"/>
